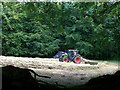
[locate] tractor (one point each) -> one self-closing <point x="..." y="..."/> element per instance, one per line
<point x="69" y="56"/>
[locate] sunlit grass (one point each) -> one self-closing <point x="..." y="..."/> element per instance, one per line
<point x="115" y="61"/>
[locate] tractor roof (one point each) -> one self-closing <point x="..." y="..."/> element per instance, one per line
<point x="72" y="50"/>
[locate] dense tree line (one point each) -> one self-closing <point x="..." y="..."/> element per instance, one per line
<point x="41" y="29"/>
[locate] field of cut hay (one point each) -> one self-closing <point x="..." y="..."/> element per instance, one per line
<point x="62" y="73"/>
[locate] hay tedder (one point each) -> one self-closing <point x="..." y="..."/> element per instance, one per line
<point x="72" y="56"/>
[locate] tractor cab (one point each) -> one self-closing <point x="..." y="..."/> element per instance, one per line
<point x="74" y="56"/>
<point x="72" y="53"/>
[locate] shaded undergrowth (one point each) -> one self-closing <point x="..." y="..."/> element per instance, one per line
<point x="14" y="78"/>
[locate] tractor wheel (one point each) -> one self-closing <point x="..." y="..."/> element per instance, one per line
<point x="63" y="59"/>
<point x="77" y="59"/>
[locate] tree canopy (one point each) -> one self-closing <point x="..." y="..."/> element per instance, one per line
<point x="41" y="29"/>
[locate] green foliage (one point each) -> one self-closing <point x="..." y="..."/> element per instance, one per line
<point x="40" y="29"/>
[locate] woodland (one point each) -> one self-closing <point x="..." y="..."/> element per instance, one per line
<point x="41" y="29"/>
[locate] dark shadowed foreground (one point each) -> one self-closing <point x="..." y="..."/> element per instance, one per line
<point x="14" y="78"/>
<point x="104" y="82"/>
<point x="19" y="78"/>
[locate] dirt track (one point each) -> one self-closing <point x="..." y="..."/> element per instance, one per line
<point x="61" y="73"/>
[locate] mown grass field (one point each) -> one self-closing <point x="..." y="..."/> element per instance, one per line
<point x="114" y="61"/>
<point x="62" y="73"/>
